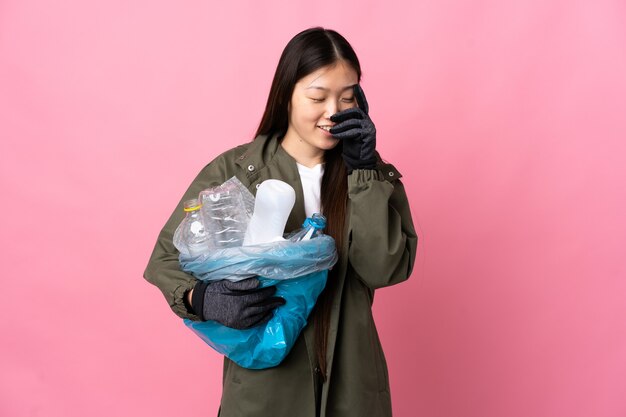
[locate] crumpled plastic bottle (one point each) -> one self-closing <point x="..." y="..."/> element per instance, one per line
<point x="190" y="237"/>
<point x="226" y="212"/>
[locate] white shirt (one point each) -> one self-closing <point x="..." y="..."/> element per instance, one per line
<point x="311" y="179"/>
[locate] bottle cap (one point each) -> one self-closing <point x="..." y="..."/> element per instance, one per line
<point x="192" y="205"/>
<point x="318" y="221"/>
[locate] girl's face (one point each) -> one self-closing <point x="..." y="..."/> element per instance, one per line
<point x="315" y="98"/>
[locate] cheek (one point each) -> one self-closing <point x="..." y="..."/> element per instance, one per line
<point x="310" y="114"/>
<point x="304" y="118"/>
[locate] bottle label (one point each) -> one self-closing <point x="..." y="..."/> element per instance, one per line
<point x="196" y="228"/>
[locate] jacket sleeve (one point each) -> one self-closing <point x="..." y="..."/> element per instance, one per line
<point x="382" y="237"/>
<point x="163" y="268"/>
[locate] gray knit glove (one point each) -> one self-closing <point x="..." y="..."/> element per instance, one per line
<point x="236" y="304"/>
<point x="357" y="133"/>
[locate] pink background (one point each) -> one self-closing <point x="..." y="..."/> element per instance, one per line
<point x="506" y="119"/>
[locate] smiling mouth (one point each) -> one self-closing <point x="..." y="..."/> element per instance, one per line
<point x="325" y="127"/>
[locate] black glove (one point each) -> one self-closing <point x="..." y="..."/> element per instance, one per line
<point x="357" y="132"/>
<point x="236" y="304"/>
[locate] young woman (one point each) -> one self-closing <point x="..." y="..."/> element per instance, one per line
<point x="317" y="136"/>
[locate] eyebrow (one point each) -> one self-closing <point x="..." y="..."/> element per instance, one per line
<point x="328" y="89"/>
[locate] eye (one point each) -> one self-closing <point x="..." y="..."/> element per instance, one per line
<point x="348" y="100"/>
<point x="317" y="100"/>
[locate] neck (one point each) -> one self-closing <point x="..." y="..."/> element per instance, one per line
<point x="302" y="152"/>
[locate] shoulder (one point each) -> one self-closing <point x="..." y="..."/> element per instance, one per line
<point x="235" y="161"/>
<point x="226" y="162"/>
<point x="218" y="170"/>
<point x="231" y="155"/>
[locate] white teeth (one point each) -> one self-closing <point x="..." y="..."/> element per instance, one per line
<point x="326" y="128"/>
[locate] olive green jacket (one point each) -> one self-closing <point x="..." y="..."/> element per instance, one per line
<point x="379" y="251"/>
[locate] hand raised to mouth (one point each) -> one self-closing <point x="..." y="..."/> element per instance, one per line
<point x="357" y="132"/>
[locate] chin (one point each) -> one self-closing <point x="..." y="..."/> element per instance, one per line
<point x="326" y="141"/>
<point x="327" y="144"/>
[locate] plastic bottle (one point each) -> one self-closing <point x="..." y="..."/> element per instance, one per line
<point x="190" y="237"/>
<point x="273" y="203"/>
<point x="226" y="211"/>
<point x="311" y="228"/>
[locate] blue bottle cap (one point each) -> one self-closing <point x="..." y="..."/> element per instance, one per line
<point x="318" y="221"/>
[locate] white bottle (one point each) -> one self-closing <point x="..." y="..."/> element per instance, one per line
<point x="272" y="206"/>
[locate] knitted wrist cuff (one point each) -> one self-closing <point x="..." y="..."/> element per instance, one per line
<point x="197" y="298"/>
<point x="352" y="164"/>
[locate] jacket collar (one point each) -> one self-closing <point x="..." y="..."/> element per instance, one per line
<point x="263" y="148"/>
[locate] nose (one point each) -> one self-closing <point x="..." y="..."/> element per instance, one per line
<point x="331" y="108"/>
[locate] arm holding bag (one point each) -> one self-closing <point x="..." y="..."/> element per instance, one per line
<point x="298" y="269"/>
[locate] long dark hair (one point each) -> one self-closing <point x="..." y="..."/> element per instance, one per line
<point x="305" y="53"/>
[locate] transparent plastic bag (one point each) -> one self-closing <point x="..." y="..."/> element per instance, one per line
<point x="298" y="269"/>
<point x="276" y="260"/>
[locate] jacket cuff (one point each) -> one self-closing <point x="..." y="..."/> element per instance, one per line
<point x="179" y="306"/>
<point x="359" y="178"/>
